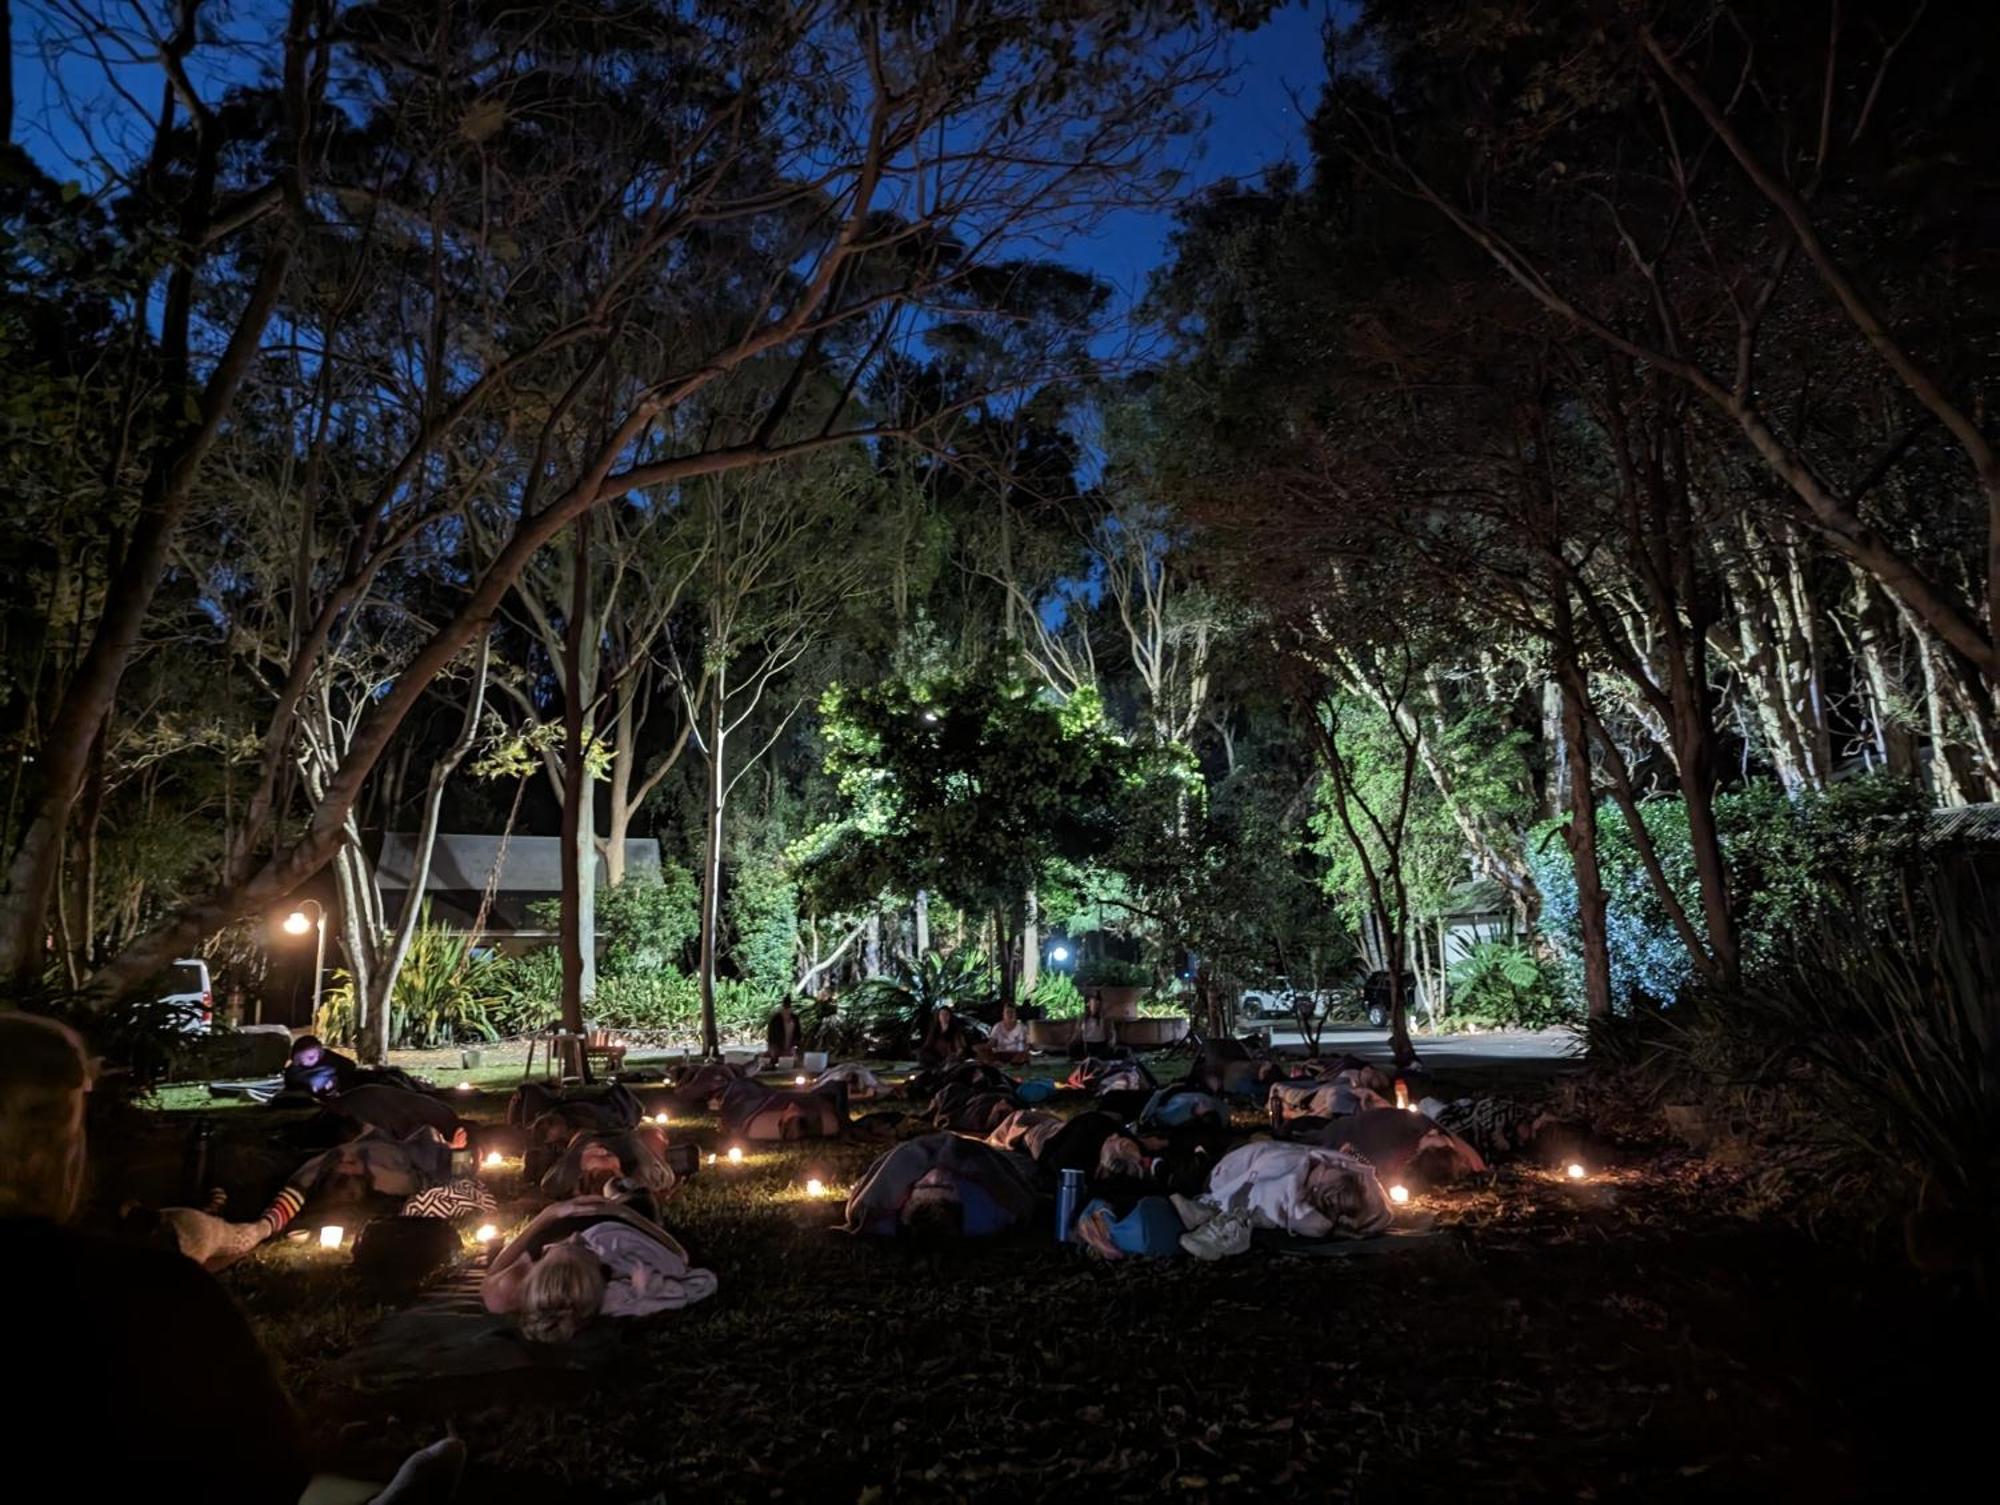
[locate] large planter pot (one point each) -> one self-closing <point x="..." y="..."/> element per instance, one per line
<point x="1152" y="1034"/>
<point x="1121" y="1003"/>
<point x="1051" y="1034"/>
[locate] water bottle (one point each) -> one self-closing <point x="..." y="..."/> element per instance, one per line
<point x="1069" y="1202"/>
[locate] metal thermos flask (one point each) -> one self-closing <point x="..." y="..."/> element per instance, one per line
<point x="1069" y="1202"/>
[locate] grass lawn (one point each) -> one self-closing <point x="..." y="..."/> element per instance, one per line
<point x="1616" y="1341"/>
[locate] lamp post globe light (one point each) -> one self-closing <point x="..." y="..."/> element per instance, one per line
<point x="298" y="923"/>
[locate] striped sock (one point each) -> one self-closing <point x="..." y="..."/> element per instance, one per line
<point x="284" y="1207"/>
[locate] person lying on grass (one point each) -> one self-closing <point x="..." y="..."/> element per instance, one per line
<point x="942" y="1185"/>
<point x="147" y="1382"/>
<point x="586" y="1257"/>
<point x="1403" y="1146"/>
<point x="371" y="1174"/>
<point x="1300" y="1189"/>
<point x="777" y="1115"/>
<point x="629" y="1166"/>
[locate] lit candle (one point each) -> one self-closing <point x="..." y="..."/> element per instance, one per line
<point x="815" y="1187"/>
<point x="1399" y="1194"/>
<point x="465" y="1086"/>
<point x="492" y="1159"/>
<point x="1402" y="1093"/>
<point x="711" y="1157"/>
<point x="1575" y="1171"/>
<point x="330" y="1236"/>
<point x="487" y="1233"/>
<point x="798" y="1081"/>
<point x="736" y="1154"/>
<point x="660" y="1119"/>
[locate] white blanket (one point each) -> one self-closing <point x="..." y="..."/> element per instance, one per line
<point x="643" y="1275"/>
<point x="1265" y="1180"/>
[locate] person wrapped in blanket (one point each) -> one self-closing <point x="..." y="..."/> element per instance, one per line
<point x="627" y="1166"/>
<point x="586" y="1257"/>
<point x="1304" y="1190"/>
<point x="374" y="1173"/>
<point x="942" y="1186"/>
<point x="966" y="1109"/>
<point x="1403" y="1147"/>
<point x="774" y="1115"/>
<point x="1132" y="1171"/>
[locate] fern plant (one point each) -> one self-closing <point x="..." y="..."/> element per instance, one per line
<point x="896" y="1008"/>
<point x="445" y="994"/>
<point x="1506" y="985"/>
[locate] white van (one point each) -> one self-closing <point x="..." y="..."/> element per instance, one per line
<point x="188" y="988"/>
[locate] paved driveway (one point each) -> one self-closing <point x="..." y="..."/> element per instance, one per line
<point x="1545" y="1047"/>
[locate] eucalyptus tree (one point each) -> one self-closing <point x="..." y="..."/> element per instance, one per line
<point x="830" y="168"/>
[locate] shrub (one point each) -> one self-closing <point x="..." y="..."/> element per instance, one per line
<point x="895" y="1009"/>
<point x="142" y="1038"/>
<point x="1505" y="985"/>
<point x="647" y="922"/>
<point x="1112" y="972"/>
<point x="444" y="994"/>
<point x="1056" y="996"/>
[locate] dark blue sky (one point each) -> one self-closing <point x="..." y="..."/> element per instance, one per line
<point x="1253" y="124"/>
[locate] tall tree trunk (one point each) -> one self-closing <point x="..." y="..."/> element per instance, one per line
<point x="579" y="854"/>
<point x="382" y="985"/>
<point x="711" y="857"/>
<point x="1580" y="836"/>
<point x="922" y="910"/>
<point x="1877" y="636"/>
<point x="1031" y="943"/>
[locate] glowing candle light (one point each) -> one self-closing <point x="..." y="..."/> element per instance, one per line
<point x="331" y="1235"/>
<point x="660" y="1118"/>
<point x="465" y="1086"/>
<point x="1575" y="1172"/>
<point x="1399" y="1194"/>
<point x="492" y="1159"/>
<point x="1402" y="1093"/>
<point x="798" y="1081"/>
<point x="711" y="1157"/>
<point x="815" y="1187"/>
<point x="736" y="1154"/>
<point x="487" y="1233"/>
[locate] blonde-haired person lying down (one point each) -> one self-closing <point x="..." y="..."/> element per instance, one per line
<point x="585" y="1257"/>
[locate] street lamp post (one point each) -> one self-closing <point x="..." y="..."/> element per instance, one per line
<point x="296" y="923"/>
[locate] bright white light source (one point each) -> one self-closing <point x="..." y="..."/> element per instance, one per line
<point x="1399" y="1194"/>
<point x="465" y="1086"/>
<point x="296" y="923"/>
<point x="930" y="716"/>
<point x="798" y="1081"/>
<point x="736" y="1154"/>
<point x="711" y="1157"/>
<point x="331" y="1235"/>
<point x="492" y="1159"/>
<point x="1059" y="953"/>
<point x="815" y="1187"/>
<point x="660" y="1118"/>
<point x="487" y="1233"/>
<point x="1575" y="1172"/>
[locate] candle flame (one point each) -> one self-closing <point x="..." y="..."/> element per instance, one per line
<point x="815" y="1187"/>
<point x="465" y="1086"/>
<point x="487" y="1233"/>
<point x="1399" y="1194"/>
<point x="736" y="1154"/>
<point x="331" y="1235"/>
<point x="659" y="1118"/>
<point x="798" y="1081"/>
<point x="492" y="1159"/>
<point x="1575" y="1171"/>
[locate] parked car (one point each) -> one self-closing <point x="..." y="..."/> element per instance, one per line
<point x="1277" y="1000"/>
<point x="187" y="987"/>
<point x="1375" y="997"/>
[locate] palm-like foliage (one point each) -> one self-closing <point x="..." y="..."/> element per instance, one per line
<point x="896" y="1007"/>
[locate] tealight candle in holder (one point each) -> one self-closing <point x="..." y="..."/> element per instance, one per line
<point x="331" y="1235"/>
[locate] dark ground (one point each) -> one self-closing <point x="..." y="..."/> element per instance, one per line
<point x="1623" y="1340"/>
